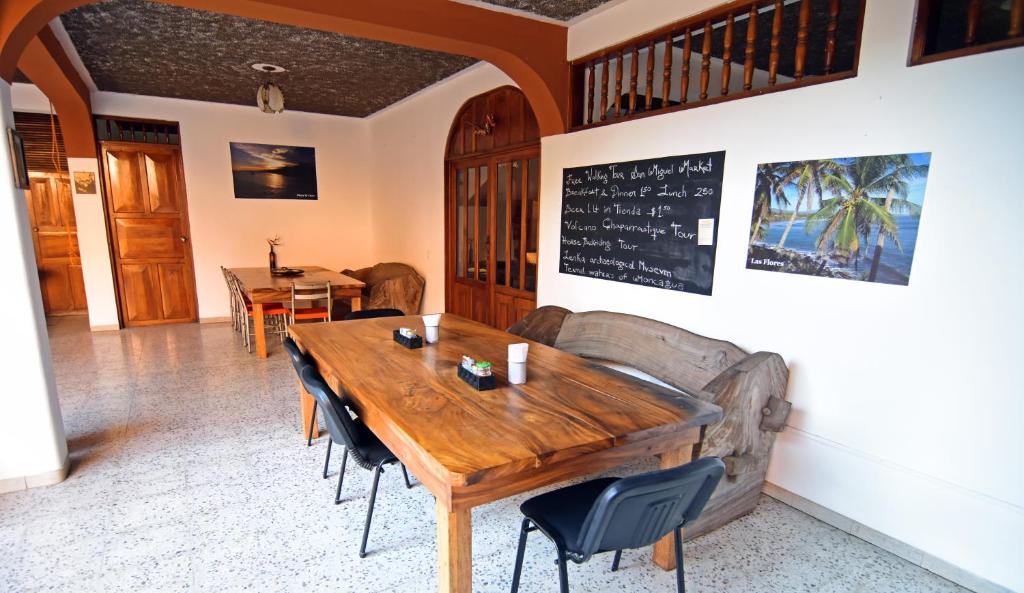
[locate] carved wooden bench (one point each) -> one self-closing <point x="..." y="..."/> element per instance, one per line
<point x="750" y="389"/>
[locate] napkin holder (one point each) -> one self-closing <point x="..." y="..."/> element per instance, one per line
<point x="477" y="382"/>
<point x="410" y="343"/>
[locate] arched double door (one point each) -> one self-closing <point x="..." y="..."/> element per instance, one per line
<point x="492" y="209"/>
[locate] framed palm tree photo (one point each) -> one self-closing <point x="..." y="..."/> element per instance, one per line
<point x="854" y="218"/>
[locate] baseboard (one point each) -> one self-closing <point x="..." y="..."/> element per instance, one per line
<point x="104" y="328"/>
<point x="35" y="481"/>
<point x="892" y="545"/>
<point x="214" y="319"/>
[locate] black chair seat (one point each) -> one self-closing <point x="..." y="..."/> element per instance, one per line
<point x="560" y="513"/>
<point x="370" y="448"/>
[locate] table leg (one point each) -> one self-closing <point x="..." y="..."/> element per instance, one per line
<point x="665" y="548"/>
<point x="454" y="550"/>
<point x="357" y="304"/>
<point x="259" y="328"/>
<point x="306" y="405"/>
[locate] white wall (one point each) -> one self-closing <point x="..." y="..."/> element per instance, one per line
<point x="906" y="401"/>
<point x="408" y="150"/>
<point x="33" y="450"/>
<point x="333" y="231"/>
<point x="907" y="407"/>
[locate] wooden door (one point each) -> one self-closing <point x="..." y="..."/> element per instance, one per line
<point x="148" y="218"/>
<point x="55" y="237"/>
<point x="471" y="195"/>
<point x="491" y="206"/>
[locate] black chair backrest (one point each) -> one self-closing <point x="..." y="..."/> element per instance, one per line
<point x="373" y="314"/>
<point x="340" y="425"/>
<point x="298" y="358"/>
<point x="637" y="511"/>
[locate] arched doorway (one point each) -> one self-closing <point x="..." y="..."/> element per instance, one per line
<point x="492" y="209"/>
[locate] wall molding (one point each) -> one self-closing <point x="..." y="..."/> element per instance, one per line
<point x="35" y="481"/>
<point x="890" y="544"/>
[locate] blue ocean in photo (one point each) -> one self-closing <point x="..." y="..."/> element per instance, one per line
<point x="895" y="265"/>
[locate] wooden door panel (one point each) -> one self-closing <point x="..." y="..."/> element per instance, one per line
<point x="481" y="306"/>
<point x="125" y="182"/>
<point x="522" y="307"/>
<point x="149" y="238"/>
<point x="58" y="246"/>
<point x="46" y="210"/>
<point x="141" y="285"/>
<point x="77" y="283"/>
<point x="53" y="283"/>
<point x="504" y="310"/>
<point x="162" y="182"/>
<point x="461" y="303"/>
<point x="175" y="292"/>
<point x="148" y="214"/>
<point x="52" y="218"/>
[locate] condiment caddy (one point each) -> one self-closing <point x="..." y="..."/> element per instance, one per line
<point x="477" y="373"/>
<point x="408" y="338"/>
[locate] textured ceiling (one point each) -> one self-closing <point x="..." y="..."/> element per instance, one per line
<point x="557" y="9"/>
<point x="144" y="48"/>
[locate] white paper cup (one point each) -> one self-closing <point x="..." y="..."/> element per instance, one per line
<point x="431" y="334"/>
<point x="517" y="373"/>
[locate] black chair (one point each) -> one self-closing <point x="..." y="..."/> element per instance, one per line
<point x="613" y="514"/>
<point x="300" y="360"/>
<point x="373" y="314"/>
<point x="366" y="449"/>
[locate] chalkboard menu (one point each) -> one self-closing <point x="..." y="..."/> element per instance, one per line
<point x="650" y="222"/>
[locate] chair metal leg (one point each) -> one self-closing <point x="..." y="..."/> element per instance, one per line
<point x="615" y="561"/>
<point x="312" y="423"/>
<point x="369" y="510"/>
<point x="405" y="473"/>
<point x="341" y="477"/>
<point x="680" y="582"/>
<point x="330" y="441"/>
<point x="523" y="533"/>
<point x="563" y="573"/>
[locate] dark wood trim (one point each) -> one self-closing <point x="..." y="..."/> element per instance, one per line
<point x="675" y="28"/>
<point x="715" y="100"/>
<point x="924" y="22"/>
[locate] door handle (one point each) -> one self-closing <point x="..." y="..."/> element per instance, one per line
<point x="183" y="239"/>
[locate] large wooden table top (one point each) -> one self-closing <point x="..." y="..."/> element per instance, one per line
<point x="261" y="286"/>
<point x="473" y="446"/>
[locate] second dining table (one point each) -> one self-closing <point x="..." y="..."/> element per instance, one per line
<point x="571" y="418"/>
<point x="261" y="287"/>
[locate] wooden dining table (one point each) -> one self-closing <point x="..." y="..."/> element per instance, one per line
<point x="262" y="288"/>
<point x="571" y="418"/>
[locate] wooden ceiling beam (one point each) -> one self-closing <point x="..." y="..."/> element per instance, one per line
<point x="46" y="64"/>
<point x="531" y="52"/>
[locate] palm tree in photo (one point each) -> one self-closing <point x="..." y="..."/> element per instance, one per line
<point x="809" y="177"/>
<point x="900" y="171"/>
<point x="771" y="182"/>
<point x="856" y="205"/>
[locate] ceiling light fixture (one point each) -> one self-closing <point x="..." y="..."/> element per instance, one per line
<point x="269" y="97"/>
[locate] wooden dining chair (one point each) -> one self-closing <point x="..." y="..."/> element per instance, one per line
<point x="228" y="280"/>
<point x="274" y="313"/>
<point x="365" y="448"/>
<point x="615" y="514"/>
<point x="311" y="294"/>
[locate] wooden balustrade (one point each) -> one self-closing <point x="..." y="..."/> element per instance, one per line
<point x="965" y="27"/>
<point x="809" y="43"/>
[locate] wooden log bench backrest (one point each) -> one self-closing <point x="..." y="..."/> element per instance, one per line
<point x="682" y="359"/>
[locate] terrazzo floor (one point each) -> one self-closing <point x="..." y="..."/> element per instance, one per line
<point x="189" y="474"/>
